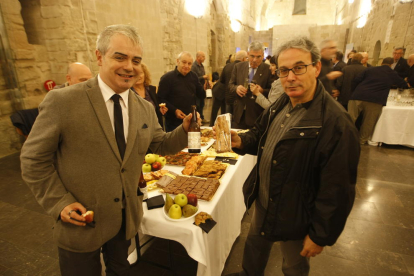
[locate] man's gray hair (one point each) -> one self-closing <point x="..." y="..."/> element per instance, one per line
<point x="399" y="48"/>
<point x="256" y="46"/>
<point x="104" y="38"/>
<point x="184" y="53"/>
<point x="303" y="44"/>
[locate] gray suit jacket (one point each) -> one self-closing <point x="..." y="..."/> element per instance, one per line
<point x="71" y="156"/>
<point x="262" y="77"/>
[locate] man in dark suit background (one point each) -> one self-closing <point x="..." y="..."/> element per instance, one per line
<point x="246" y="110"/>
<point x="226" y="76"/>
<point x="400" y="64"/>
<point x="85" y="152"/>
<point x="338" y="62"/>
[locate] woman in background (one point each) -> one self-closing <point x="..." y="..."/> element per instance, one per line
<point x="147" y="91"/>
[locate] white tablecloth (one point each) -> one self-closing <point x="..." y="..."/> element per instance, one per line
<point x="227" y="209"/>
<point x="395" y="126"/>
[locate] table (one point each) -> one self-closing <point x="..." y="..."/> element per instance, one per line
<point x="227" y="209"/>
<point x="395" y="126"/>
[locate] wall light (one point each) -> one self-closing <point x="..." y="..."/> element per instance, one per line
<point x="405" y="1"/>
<point x="235" y="25"/>
<point x="196" y="7"/>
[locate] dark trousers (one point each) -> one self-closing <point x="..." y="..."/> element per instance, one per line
<point x="217" y="104"/>
<point x="242" y="124"/>
<point x="115" y="254"/>
<point x="200" y="107"/>
<point x="257" y="251"/>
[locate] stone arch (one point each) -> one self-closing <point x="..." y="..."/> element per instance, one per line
<point x="377" y="51"/>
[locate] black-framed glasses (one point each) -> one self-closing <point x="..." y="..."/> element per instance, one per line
<point x="297" y="70"/>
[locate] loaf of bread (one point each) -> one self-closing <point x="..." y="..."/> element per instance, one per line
<point x="223" y="141"/>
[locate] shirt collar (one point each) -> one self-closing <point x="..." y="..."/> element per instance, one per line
<point x="107" y="92"/>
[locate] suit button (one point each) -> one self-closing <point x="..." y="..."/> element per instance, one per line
<point x="274" y="162"/>
<point x="262" y="147"/>
<point x="262" y="233"/>
<point x="116" y="199"/>
<point x="122" y="170"/>
<point x="271" y="199"/>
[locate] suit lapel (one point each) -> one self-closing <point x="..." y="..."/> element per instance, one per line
<point x="98" y="104"/>
<point x="133" y="123"/>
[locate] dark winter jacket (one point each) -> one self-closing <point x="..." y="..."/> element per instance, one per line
<point x="313" y="173"/>
<point x="344" y="82"/>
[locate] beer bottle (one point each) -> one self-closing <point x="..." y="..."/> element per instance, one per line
<point x="142" y="187"/>
<point x="194" y="134"/>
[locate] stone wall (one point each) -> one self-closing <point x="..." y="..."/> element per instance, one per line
<point x="385" y="16"/>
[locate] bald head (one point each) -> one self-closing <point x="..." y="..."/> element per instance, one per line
<point x="410" y="60"/>
<point x="78" y="72"/>
<point x="364" y="59"/>
<point x="241" y="55"/>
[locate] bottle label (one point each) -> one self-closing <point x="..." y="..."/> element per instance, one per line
<point x="194" y="140"/>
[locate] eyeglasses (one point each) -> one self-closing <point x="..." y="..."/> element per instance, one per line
<point x="297" y="70"/>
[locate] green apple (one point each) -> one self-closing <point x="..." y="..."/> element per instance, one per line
<point x="162" y="160"/>
<point x="181" y="199"/>
<point x="150" y="158"/>
<point x="146" y="168"/>
<point x="175" y="212"/>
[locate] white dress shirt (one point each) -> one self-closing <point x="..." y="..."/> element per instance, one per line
<point x="107" y="93"/>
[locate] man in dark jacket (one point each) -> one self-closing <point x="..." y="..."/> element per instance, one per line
<point x="327" y="75"/>
<point x="370" y="95"/>
<point x="303" y="184"/>
<point x="344" y="82"/>
<point x="226" y="76"/>
<point x="400" y="64"/>
<point x="337" y="61"/>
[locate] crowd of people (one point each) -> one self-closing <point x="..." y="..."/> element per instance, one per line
<point x="86" y="148"/>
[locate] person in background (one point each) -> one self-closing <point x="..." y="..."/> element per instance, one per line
<point x="267" y="61"/>
<point x="337" y="61"/>
<point x="400" y="64"/>
<point x="364" y="60"/>
<point x="77" y="72"/>
<point x="344" y="82"/>
<point x="370" y="95"/>
<point x="229" y="59"/>
<point x="198" y="69"/>
<point x="219" y="101"/>
<point x="410" y="77"/>
<point x="226" y="76"/>
<point x="275" y="92"/>
<point x="273" y="68"/>
<point x="179" y="89"/>
<point x="350" y="55"/>
<point x="327" y="76"/>
<point x="85" y="151"/>
<point x="253" y="73"/>
<point x="303" y="185"/>
<point x="145" y="90"/>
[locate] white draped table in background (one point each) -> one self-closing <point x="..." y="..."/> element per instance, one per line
<point x="227" y="209"/>
<point x="395" y="126"/>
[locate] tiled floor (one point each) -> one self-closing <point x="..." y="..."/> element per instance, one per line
<point x="378" y="238"/>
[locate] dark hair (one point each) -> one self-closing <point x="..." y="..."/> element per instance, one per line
<point x="273" y="60"/>
<point x="215" y="76"/>
<point x="388" y="60"/>
<point x="339" y="55"/>
<point x="269" y="57"/>
<point x="303" y="44"/>
<point x="353" y="51"/>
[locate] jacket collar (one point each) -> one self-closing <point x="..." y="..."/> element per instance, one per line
<point x="314" y="108"/>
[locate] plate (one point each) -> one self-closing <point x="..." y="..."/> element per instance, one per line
<point x="182" y="218"/>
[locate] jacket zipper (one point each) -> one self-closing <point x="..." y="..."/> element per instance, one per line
<point x="258" y="148"/>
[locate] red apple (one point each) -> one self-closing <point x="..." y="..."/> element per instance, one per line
<point x="156" y="166"/>
<point x="192" y="199"/>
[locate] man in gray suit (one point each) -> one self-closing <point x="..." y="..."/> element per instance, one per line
<point x="246" y="110"/>
<point x="85" y="152"/>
